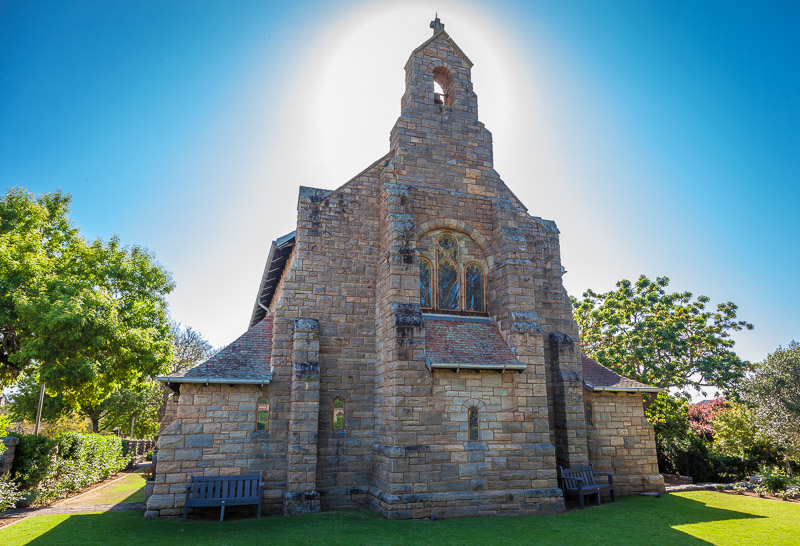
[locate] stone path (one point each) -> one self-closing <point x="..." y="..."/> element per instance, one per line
<point x="695" y="487"/>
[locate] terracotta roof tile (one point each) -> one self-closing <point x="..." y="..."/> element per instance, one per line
<point x="246" y="359"/>
<point x="598" y="377"/>
<point x="466" y="341"/>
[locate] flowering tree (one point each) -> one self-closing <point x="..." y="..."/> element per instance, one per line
<point x="702" y="414"/>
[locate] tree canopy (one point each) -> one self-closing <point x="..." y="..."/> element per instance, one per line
<point x="89" y="316"/>
<point x="773" y="390"/>
<point x="662" y="339"/>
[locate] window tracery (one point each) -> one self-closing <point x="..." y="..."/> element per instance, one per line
<point x="474" y="288"/>
<point x="447" y="273"/>
<point x="448" y="285"/>
<point x="425" y="284"/>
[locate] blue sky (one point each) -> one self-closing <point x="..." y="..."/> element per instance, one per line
<point x="662" y="137"/>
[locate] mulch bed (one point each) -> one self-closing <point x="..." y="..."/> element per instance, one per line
<point x="9" y="521"/>
<point x="753" y="494"/>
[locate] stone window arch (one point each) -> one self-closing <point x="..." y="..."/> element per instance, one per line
<point x="474" y="288"/>
<point x="262" y="414"/>
<point x="425" y="283"/>
<point x="443" y="86"/>
<point x="473" y="408"/>
<point x="448" y="287"/>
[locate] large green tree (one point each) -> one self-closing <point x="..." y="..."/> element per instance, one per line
<point x="660" y="338"/>
<point x="90" y="317"/>
<point x="773" y="390"/>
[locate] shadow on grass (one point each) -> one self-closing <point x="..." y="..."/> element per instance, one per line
<point x="633" y="520"/>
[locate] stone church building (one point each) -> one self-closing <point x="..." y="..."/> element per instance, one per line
<point x="411" y="347"/>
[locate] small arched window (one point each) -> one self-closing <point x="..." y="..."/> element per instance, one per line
<point x="474" y="427"/>
<point x="262" y="415"/>
<point x="447" y="272"/>
<point x="338" y="414"/>
<point x="425" y="288"/>
<point x="474" y="283"/>
<point x="587" y="408"/>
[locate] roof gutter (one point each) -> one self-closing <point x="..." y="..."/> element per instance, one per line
<point x="622" y="389"/>
<point x="467" y="366"/>
<point x="214" y="380"/>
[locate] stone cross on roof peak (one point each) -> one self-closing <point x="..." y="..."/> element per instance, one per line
<point x="437" y="25"/>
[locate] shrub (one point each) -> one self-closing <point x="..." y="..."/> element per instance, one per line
<point x="32" y="460"/>
<point x="774" y="479"/>
<point x="728" y="468"/>
<point x="5" y="423"/>
<point x="79" y="461"/>
<point x="9" y="494"/>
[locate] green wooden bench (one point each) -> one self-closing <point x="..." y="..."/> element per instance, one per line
<point x="223" y="491"/>
<point x="579" y="480"/>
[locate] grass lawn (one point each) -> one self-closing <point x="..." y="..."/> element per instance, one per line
<point x="128" y="489"/>
<point x="696" y="517"/>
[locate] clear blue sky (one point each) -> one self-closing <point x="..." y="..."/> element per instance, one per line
<point x="662" y="137"/>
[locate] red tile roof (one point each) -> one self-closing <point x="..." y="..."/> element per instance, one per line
<point x="599" y="378"/>
<point x="245" y="360"/>
<point x="475" y="342"/>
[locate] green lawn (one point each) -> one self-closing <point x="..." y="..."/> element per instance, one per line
<point x="684" y="518"/>
<point x="128" y="489"/>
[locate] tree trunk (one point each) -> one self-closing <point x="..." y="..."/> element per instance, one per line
<point x="95" y="424"/>
<point x="648" y="401"/>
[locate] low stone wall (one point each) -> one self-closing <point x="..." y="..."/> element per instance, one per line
<point x="622" y="441"/>
<point x="139" y="448"/>
<point x="7" y="457"/>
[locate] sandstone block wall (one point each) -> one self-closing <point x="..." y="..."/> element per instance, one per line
<point x="622" y="441"/>
<point x="214" y="433"/>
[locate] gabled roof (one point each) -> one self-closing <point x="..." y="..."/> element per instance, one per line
<point x="466" y="343"/>
<point x="246" y="360"/>
<point x="442" y="33"/>
<point x="279" y="252"/>
<point x="598" y="378"/>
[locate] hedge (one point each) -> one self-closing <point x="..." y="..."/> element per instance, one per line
<point x="53" y="468"/>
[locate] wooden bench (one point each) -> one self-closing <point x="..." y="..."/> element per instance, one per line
<point x="579" y="480"/>
<point x="223" y="491"/>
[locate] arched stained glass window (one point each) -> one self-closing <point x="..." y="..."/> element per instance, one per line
<point x="262" y="415"/>
<point x="474" y="427"/>
<point x="474" y="288"/>
<point x="447" y="272"/>
<point x="338" y="414"/>
<point x="425" y="299"/>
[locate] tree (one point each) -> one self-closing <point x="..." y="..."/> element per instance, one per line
<point x="89" y="317"/>
<point x="661" y="339"/>
<point x="189" y="348"/>
<point x="735" y="431"/>
<point x="140" y="402"/>
<point x="774" y="392"/>
<point x="702" y="414"/>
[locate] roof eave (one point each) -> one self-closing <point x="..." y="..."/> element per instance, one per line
<point x="593" y="388"/>
<point x="215" y="380"/>
<point x="519" y="366"/>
